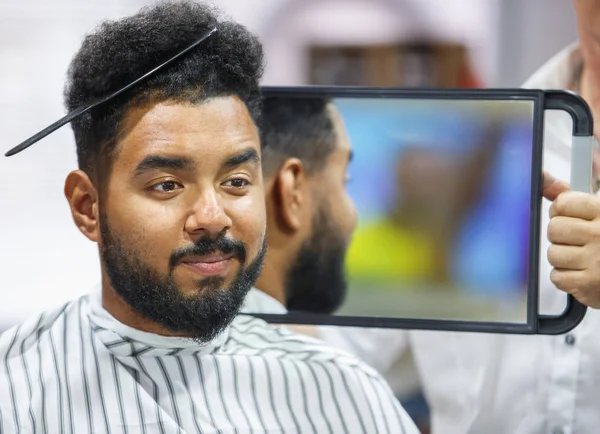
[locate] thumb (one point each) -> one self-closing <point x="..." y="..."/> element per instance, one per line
<point x="552" y="187"/>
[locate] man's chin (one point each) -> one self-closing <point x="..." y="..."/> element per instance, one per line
<point x="203" y="286"/>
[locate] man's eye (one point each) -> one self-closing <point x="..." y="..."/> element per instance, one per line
<point x="166" y="187"/>
<point x="237" y="183"/>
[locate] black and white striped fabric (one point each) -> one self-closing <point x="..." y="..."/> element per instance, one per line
<point x="78" y="370"/>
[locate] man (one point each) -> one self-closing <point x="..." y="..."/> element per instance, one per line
<point x="478" y="383"/>
<point x="170" y="188"/>
<point x="310" y="217"/>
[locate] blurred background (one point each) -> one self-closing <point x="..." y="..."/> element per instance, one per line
<point x="457" y="43"/>
<point x="443" y="194"/>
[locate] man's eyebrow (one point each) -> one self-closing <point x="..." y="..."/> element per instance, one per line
<point x="248" y="156"/>
<point x="157" y="162"/>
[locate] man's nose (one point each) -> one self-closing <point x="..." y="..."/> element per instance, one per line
<point x="208" y="217"/>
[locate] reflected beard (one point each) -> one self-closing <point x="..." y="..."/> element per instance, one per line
<point x="202" y="316"/>
<point x="316" y="282"/>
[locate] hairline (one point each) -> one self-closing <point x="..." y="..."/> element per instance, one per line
<point x="108" y="151"/>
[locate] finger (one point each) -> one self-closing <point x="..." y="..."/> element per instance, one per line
<point x="567" y="257"/>
<point x="568" y="280"/>
<point x="575" y="283"/>
<point x="571" y="231"/>
<point x="576" y="204"/>
<point x="552" y="187"/>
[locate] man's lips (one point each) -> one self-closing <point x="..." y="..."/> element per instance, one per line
<point x="209" y="265"/>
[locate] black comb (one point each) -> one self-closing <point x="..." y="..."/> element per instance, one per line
<point x="101" y="100"/>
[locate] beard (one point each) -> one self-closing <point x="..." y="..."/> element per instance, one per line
<point x="201" y="316"/>
<point x="316" y="282"/>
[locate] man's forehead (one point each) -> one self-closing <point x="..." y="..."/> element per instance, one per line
<point x="215" y="126"/>
<point x="187" y="117"/>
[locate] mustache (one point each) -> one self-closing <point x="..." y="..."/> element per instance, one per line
<point x="207" y="246"/>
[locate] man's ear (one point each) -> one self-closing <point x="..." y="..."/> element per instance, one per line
<point x="290" y="196"/>
<point x="83" y="200"/>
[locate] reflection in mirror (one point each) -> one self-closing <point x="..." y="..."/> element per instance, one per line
<point x="443" y="193"/>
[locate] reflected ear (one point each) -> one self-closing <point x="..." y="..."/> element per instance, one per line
<point x="290" y="195"/>
<point x="83" y="200"/>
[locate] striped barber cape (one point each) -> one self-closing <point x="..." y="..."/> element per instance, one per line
<point x="79" y="370"/>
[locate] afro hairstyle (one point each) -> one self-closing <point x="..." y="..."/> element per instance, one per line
<point x="229" y="63"/>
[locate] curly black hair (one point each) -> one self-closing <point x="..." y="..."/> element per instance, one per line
<point x="228" y="63"/>
<point x="296" y="127"/>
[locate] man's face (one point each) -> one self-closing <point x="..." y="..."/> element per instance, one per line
<point x="182" y="216"/>
<point x="316" y="281"/>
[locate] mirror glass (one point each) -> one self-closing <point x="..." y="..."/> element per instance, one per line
<point x="443" y="194"/>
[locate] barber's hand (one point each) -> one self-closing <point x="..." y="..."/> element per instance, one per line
<point x="574" y="234"/>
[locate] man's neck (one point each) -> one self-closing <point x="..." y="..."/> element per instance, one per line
<point x="589" y="90"/>
<point x="272" y="284"/>
<point x="272" y="277"/>
<point x="589" y="82"/>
